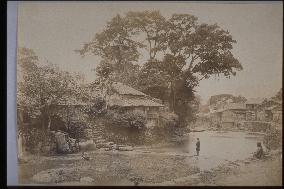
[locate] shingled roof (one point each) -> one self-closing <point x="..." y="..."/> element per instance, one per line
<point x="126" y="90"/>
<point x="138" y="98"/>
<point x="135" y="103"/>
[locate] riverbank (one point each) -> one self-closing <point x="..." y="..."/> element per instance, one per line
<point x="159" y="165"/>
<point x="111" y="168"/>
<point x="249" y="172"/>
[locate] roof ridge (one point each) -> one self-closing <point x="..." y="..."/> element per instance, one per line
<point x="122" y="88"/>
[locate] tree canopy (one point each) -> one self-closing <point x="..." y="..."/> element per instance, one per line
<point x="42" y="86"/>
<point x="181" y="52"/>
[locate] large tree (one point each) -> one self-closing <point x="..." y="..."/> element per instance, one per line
<point x="42" y="86"/>
<point x="181" y="52"/>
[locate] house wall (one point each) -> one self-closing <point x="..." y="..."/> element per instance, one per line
<point x="251" y="116"/>
<point x="149" y="112"/>
<point x="228" y="125"/>
<point x="228" y="116"/>
<point x="268" y="115"/>
<point x="233" y="116"/>
<point x="277" y="116"/>
<point x="216" y="117"/>
<point x="261" y="116"/>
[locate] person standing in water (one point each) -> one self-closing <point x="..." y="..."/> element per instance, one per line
<point x="197" y="147"/>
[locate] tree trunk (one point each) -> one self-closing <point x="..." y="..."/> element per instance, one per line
<point x="49" y="123"/>
<point x="172" y="98"/>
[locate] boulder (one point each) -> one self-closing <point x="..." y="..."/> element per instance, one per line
<point x="126" y="148"/>
<point x="110" y="143"/>
<point x="61" y="142"/>
<point x="86" y="180"/>
<point x="87" y="145"/>
<point x="104" y="145"/>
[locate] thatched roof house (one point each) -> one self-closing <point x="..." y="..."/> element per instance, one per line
<point x="125" y="96"/>
<point x="132" y="100"/>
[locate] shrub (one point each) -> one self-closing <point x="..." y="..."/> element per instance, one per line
<point x="98" y="107"/>
<point x="77" y="130"/>
<point x="164" y="131"/>
<point x="273" y="139"/>
<point x="125" y="127"/>
<point x="133" y="120"/>
<point x="37" y="140"/>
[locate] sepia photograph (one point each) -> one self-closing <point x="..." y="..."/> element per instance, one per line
<point x="149" y="93"/>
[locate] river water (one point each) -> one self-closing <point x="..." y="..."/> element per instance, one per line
<point x="216" y="147"/>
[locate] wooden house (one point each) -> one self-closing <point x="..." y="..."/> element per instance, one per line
<point x="276" y="113"/>
<point x="253" y="109"/>
<point x="132" y="100"/>
<point x="230" y="115"/>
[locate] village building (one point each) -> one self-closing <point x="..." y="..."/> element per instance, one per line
<point x="254" y="112"/>
<point x="276" y="113"/>
<point x="230" y="116"/>
<point x="274" y="107"/>
<point x="132" y="100"/>
<point x="271" y="111"/>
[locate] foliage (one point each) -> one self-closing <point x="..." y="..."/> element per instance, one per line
<point x="168" y="125"/>
<point x="273" y="139"/>
<point x="76" y="130"/>
<point x="181" y="52"/>
<point x="35" y="139"/>
<point x="98" y="107"/>
<point x="132" y="120"/>
<point x="125" y="127"/>
<point x="44" y="85"/>
<point x="278" y="96"/>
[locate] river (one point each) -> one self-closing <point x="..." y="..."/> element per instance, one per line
<point x="216" y="147"/>
<point x="164" y="163"/>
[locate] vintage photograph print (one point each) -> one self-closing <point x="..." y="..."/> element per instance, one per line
<point x="150" y="93"/>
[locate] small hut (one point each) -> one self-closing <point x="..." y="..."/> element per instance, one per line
<point x="132" y="100"/>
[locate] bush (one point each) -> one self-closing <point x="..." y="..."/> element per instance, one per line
<point x="273" y="139"/>
<point x="133" y="120"/>
<point x="125" y="127"/>
<point x="98" y="107"/>
<point x="38" y="141"/>
<point x="164" y="131"/>
<point x="77" y="130"/>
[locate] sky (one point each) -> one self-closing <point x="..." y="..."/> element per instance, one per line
<point x="55" y="29"/>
